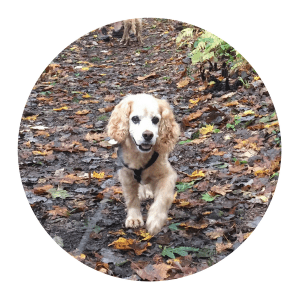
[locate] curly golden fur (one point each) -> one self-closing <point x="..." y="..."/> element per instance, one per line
<point x="159" y="179"/>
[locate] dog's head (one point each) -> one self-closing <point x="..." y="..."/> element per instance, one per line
<point x="148" y="121"/>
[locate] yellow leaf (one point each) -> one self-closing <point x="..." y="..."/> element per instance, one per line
<point x="95" y="35"/>
<point x="256" y="78"/>
<point x="248" y="112"/>
<point x="61" y="108"/>
<point x="194" y="101"/>
<point x="197" y="173"/>
<point x="86" y="96"/>
<point x="102" y="74"/>
<point x="143" y="233"/>
<point x="30" y="118"/>
<point x="85" y="68"/>
<point x="39" y="153"/>
<point x="122" y="243"/>
<point x="175" y="195"/>
<point x="263" y="198"/>
<point x="207" y="129"/>
<point x="166" y="32"/>
<point x="98" y="175"/>
<point x="82" y="112"/>
<point x="233" y="103"/>
<point x="82" y="256"/>
<point x="183" y="203"/>
<point x="272" y="124"/>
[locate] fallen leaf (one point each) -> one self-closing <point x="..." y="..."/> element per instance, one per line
<point x="155" y="272"/>
<point x="222" y="190"/>
<point x="228" y="95"/>
<point x="183" y="83"/>
<point x="82" y="112"/>
<point x="191" y="224"/>
<point x="197" y="173"/>
<point x="215" y="234"/>
<point x="86" y="96"/>
<point x="98" y="175"/>
<point x="220" y="247"/>
<point x="30" y="118"/>
<point x="119" y="232"/>
<point x="41" y="190"/>
<point x="147" y="76"/>
<point x="206" y="129"/>
<point x="59" y="211"/>
<point x="61" y="108"/>
<point x="110" y="98"/>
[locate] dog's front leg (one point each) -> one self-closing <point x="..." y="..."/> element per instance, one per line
<point x="163" y="198"/>
<point x="130" y="189"/>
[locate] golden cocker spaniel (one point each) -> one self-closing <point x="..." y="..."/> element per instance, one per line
<point x="147" y="132"/>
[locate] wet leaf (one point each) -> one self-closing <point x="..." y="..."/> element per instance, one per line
<point x="61" y="108"/>
<point x="59" y="211"/>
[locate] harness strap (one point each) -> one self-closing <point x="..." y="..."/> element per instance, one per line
<point x="138" y="172"/>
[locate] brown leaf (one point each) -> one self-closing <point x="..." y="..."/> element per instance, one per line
<point x="110" y="98"/>
<point x="94" y="137"/>
<point x="147" y="76"/>
<point x="155" y="272"/>
<point x="236" y="168"/>
<point x="191" y="224"/>
<point x="41" y="190"/>
<point x="105" y="144"/>
<point x="82" y="112"/>
<point x="130" y="244"/>
<point x="228" y="95"/>
<point x="220" y="247"/>
<point x="215" y="234"/>
<point x="222" y="190"/>
<point x="106" y="109"/>
<point x="59" y="211"/>
<point x="183" y="82"/>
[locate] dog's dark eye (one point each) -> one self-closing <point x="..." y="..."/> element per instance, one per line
<point x="135" y="119"/>
<point x="155" y="120"/>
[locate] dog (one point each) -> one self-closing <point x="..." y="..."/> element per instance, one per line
<point x="135" y="25"/>
<point x="147" y="132"/>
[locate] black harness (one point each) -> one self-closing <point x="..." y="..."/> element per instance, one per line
<point x="138" y="172"/>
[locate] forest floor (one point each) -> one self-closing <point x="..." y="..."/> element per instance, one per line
<point x="227" y="157"/>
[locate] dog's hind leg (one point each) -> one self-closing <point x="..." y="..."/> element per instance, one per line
<point x="139" y="31"/>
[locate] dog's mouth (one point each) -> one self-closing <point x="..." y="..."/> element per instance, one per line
<point x="145" y="147"/>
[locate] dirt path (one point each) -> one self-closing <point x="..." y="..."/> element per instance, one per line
<point x="227" y="159"/>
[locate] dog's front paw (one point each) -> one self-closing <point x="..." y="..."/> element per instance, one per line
<point x="134" y="222"/>
<point x="155" y="223"/>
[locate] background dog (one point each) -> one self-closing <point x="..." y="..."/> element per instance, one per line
<point x="135" y="25"/>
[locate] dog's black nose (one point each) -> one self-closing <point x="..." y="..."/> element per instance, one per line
<point x="147" y="135"/>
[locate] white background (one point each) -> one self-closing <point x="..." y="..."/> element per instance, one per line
<point x="266" y="265"/>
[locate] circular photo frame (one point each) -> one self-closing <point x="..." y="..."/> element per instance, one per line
<point x="149" y="149"/>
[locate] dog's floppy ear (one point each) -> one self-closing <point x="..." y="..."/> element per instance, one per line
<point x="169" y="130"/>
<point x="118" y="124"/>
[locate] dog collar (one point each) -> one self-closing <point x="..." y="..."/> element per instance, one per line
<point x="138" y="172"/>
